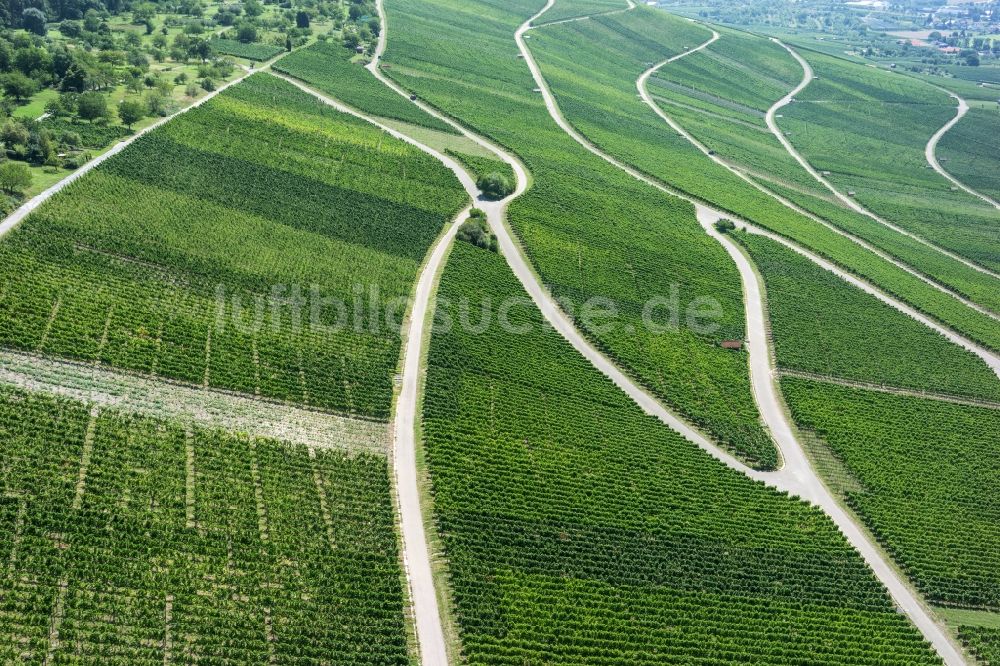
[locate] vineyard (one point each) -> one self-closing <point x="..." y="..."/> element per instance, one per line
<point x="869" y="129"/>
<point x="576" y="8"/>
<point x="250" y="51"/>
<point x="248" y="220"/>
<point x="331" y="68"/>
<point x="579" y="530"/>
<point x="720" y="94"/>
<point x="597" y="95"/>
<point x="983" y="642"/>
<point x="928" y="472"/>
<point x="590" y="230"/>
<point x="822" y="325"/>
<point x="133" y="541"/>
<point x="970" y="151"/>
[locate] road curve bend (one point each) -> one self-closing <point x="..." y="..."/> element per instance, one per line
<point x="807" y="78"/>
<point x="797" y="476"/>
<point x="930" y="152"/>
<point x="642" y="83"/>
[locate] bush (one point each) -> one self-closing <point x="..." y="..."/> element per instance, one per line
<point x="725" y="226"/>
<point x="494" y="185"/>
<point x="476" y="230"/>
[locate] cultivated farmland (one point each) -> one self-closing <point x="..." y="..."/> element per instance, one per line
<point x="627" y="248"/>
<point x="249" y="51"/>
<point x="597" y="95"/>
<point x="578" y="530"/>
<point x="927" y="473"/>
<point x="127" y="540"/>
<point x="261" y="200"/>
<point x="971" y="149"/>
<point x="822" y="325"/>
<point x="869" y="129"/>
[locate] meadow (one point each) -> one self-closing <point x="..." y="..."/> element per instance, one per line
<point x="128" y="540"/>
<point x="257" y="200"/>
<point x="577" y="529"/>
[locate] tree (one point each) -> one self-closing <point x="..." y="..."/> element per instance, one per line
<point x="33" y="20"/>
<point x="14" y="177"/>
<point x="494" y="185"/>
<point x="302" y="19"/>
<point x="18" y="86"/>
<point x="92" y="105"/>
<point x="131" y="112"/>
<point x="246" y="33"/>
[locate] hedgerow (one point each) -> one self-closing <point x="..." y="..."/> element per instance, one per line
<point x="241" y="50"/>
<point x="577" y="529"/>
<point x="928" y="472"/>
<point x="330" y="68"/>
<point x="589" y="229"/>
<point x="821" y="325"/>
<point x="128" y="540"/>
<point x="260" y="192"/>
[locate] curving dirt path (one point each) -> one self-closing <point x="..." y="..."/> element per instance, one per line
<point x="807" y="78"/>
<point x="930" y="152"/>
<point x="30" y="205"/>
<point x="797" y="475"/>
<point x="643" y="85"/>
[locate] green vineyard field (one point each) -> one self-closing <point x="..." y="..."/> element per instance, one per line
<point x="212" y="250"/>
<point x="971" y="149"/>
<point x="928" y="472"/>
<point x="331" y="69"/>
<point x="822" y="325"/>
<point x="590" y="230"/>
<point x="576" y="529"/>
<point x="128" y="540"/>
<point x="250" y="51"/>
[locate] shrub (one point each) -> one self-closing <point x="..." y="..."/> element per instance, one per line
<point x="494" y="185"/>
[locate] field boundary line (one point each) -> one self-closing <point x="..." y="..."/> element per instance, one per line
<point x="209" y="408"/>
<point x="888" y="388"/>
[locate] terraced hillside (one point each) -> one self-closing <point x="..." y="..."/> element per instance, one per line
<point x="237" y="247"/>
<point x="133" y="540"/>
<point x="590" y="230"/>
<point x="563" y="546"/>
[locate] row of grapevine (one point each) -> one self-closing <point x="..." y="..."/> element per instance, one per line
<point x="237" y="247"/>
<point x="250" y="51"/>
<point x="335" y="70"/>
<point x="597" y="94"/>
<point x="134" y="541"/>
<point x="822" y="325"/>
<point x="576" y="529"/>
<point x="983" y="642"/>
<point x="929" y="475"/>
